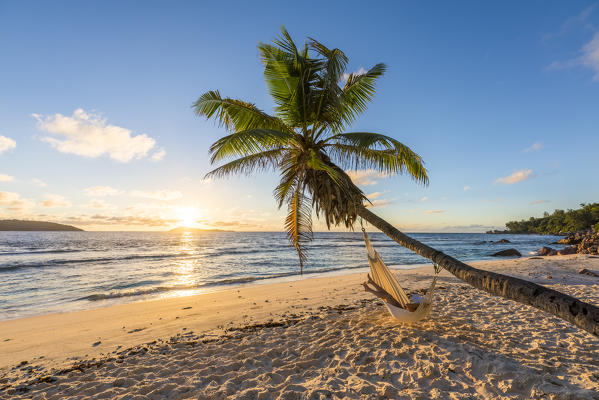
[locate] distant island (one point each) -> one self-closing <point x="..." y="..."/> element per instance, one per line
<point x="559" y="223"/>
<point x="21" y="225"/>
<point x="182" y="229"/>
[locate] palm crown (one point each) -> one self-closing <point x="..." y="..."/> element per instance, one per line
<point x="306" y="138"/>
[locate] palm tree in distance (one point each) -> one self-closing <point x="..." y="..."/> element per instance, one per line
<point x="306" y="141"/>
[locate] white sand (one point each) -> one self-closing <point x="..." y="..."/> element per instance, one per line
<point x="327" y="339"/>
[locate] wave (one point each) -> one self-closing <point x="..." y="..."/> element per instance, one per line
<point x="212" y="283"/>
<point x="57" y="251"/>
<point x="98" y="260"/>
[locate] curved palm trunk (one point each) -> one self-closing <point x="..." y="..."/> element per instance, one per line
<point x="581" y="314"/>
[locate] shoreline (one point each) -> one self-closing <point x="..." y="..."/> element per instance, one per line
<point x="52" y="343"/>
<point x="218" y="287"/>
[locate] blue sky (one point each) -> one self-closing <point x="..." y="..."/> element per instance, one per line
<point x="96" y="128"/>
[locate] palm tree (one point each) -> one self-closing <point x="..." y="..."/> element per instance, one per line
<point x="307" y="142"/>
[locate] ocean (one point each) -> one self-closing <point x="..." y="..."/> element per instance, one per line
<point x="47" y="272"/>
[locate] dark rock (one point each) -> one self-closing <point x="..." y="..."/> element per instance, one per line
<point x="503" y="241"/>
<point x="544" y="251"/>
<point x="507" y="253"/>
<point x="567" y="250"/>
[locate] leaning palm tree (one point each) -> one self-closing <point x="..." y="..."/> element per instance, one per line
<point x="306" y="140"/>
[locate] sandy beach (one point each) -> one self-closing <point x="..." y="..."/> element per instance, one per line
<point x="313" y="338"/>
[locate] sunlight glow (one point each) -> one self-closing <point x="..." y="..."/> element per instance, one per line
<point x="188" y="217"/>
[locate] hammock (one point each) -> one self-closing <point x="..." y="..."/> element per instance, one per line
<point x="382" y="276"/>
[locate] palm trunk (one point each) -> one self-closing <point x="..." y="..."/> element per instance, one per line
<point x="581" y="314"/>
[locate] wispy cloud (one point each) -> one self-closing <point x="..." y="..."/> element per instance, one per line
<point x="87" y="134"/>
<point x="589" y="58"/>
<point x="100" y="204"/>
<point x="39" y="182"/>
<point x="466" y="188"/>
<point x="422" y="200"/>
<point x="164" y="195"/>
<point x="55" y="201"/>
<point x="380" y="203"/>
<point x="574" y="22"/>
<point x="518" y="176"/>
<point x="158" y="155"/>
<point x="374" y="195"/>
<point x="366" y="177"/>
<point x="6" y="144"/>
<point x="6" y="178"/>
<point x="13" y="201"/>
<point x="433" y="212"/>
<point x="534" y="147"/>
<point x="540" y="202"/>
<point x="101" y="191"/>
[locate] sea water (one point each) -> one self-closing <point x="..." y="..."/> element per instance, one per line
<point x="45" y="272"/>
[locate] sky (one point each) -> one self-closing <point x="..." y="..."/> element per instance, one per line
<point x="501" y="100"/>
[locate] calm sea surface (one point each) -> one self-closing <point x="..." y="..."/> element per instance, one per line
<point x="44" y="272"/>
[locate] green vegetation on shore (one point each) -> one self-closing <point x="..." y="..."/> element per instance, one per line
<point x="586" y="217"/>
<point x="20" y="225"/>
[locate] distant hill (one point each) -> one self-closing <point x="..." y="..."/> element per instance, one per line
<point x="19" y="225"/>
<point x="182" y="229"/>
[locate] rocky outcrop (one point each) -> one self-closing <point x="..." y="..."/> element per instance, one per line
<point x="507" y="253"/>
<point x="584" y="242"/>
<point x="589" y="243"/>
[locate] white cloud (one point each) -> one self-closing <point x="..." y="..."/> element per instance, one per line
<point x="466" y="188"/>
<point x="14" y="202"/>
<point x="540" y="202"/>
<point x="366" y="177"/>
<point x="101" y="191"/>
<point x="159" y="155"/>
<point x="55" y="201"/>
<point x="373" y="196"/>
<point x="6" y="178"/>
<point x="516" y="177"/>
<point x="39" y="182"/>
<point x="433" y="212"/>
<point x="534" y="147"/>
<point x="87" y="134"/>
<point x="164" y="195"/>
<point x="6" y="144"/>
<point x="589" y="58"/>
<point x="422" y="200"/>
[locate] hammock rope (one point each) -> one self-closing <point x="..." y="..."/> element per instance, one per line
<point x="382" y="276"/>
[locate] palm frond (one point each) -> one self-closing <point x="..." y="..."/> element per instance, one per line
<point x="253" y="141"/>
<point x="266" y="160"/>
<point x="359" y="150"/>
<point x="235" y="115"/>
<point x="298" y="223"/>
<point x="358" y="92"/>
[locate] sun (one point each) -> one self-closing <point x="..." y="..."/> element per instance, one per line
<point x="188" y="217"/>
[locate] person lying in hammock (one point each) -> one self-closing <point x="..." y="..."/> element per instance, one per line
<point x="381" y="293"/>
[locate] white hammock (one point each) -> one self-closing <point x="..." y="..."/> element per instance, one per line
<point x="382" y="276"/>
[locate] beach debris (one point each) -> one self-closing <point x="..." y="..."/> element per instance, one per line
<point x="187" y="308"/>
<point x="99" y="342"/>
<point x="585" y="271"/>
<point x="136" y="330"/>
<point x="507" y="253"/>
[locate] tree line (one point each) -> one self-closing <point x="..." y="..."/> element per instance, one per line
<point x="560" y="221"/>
